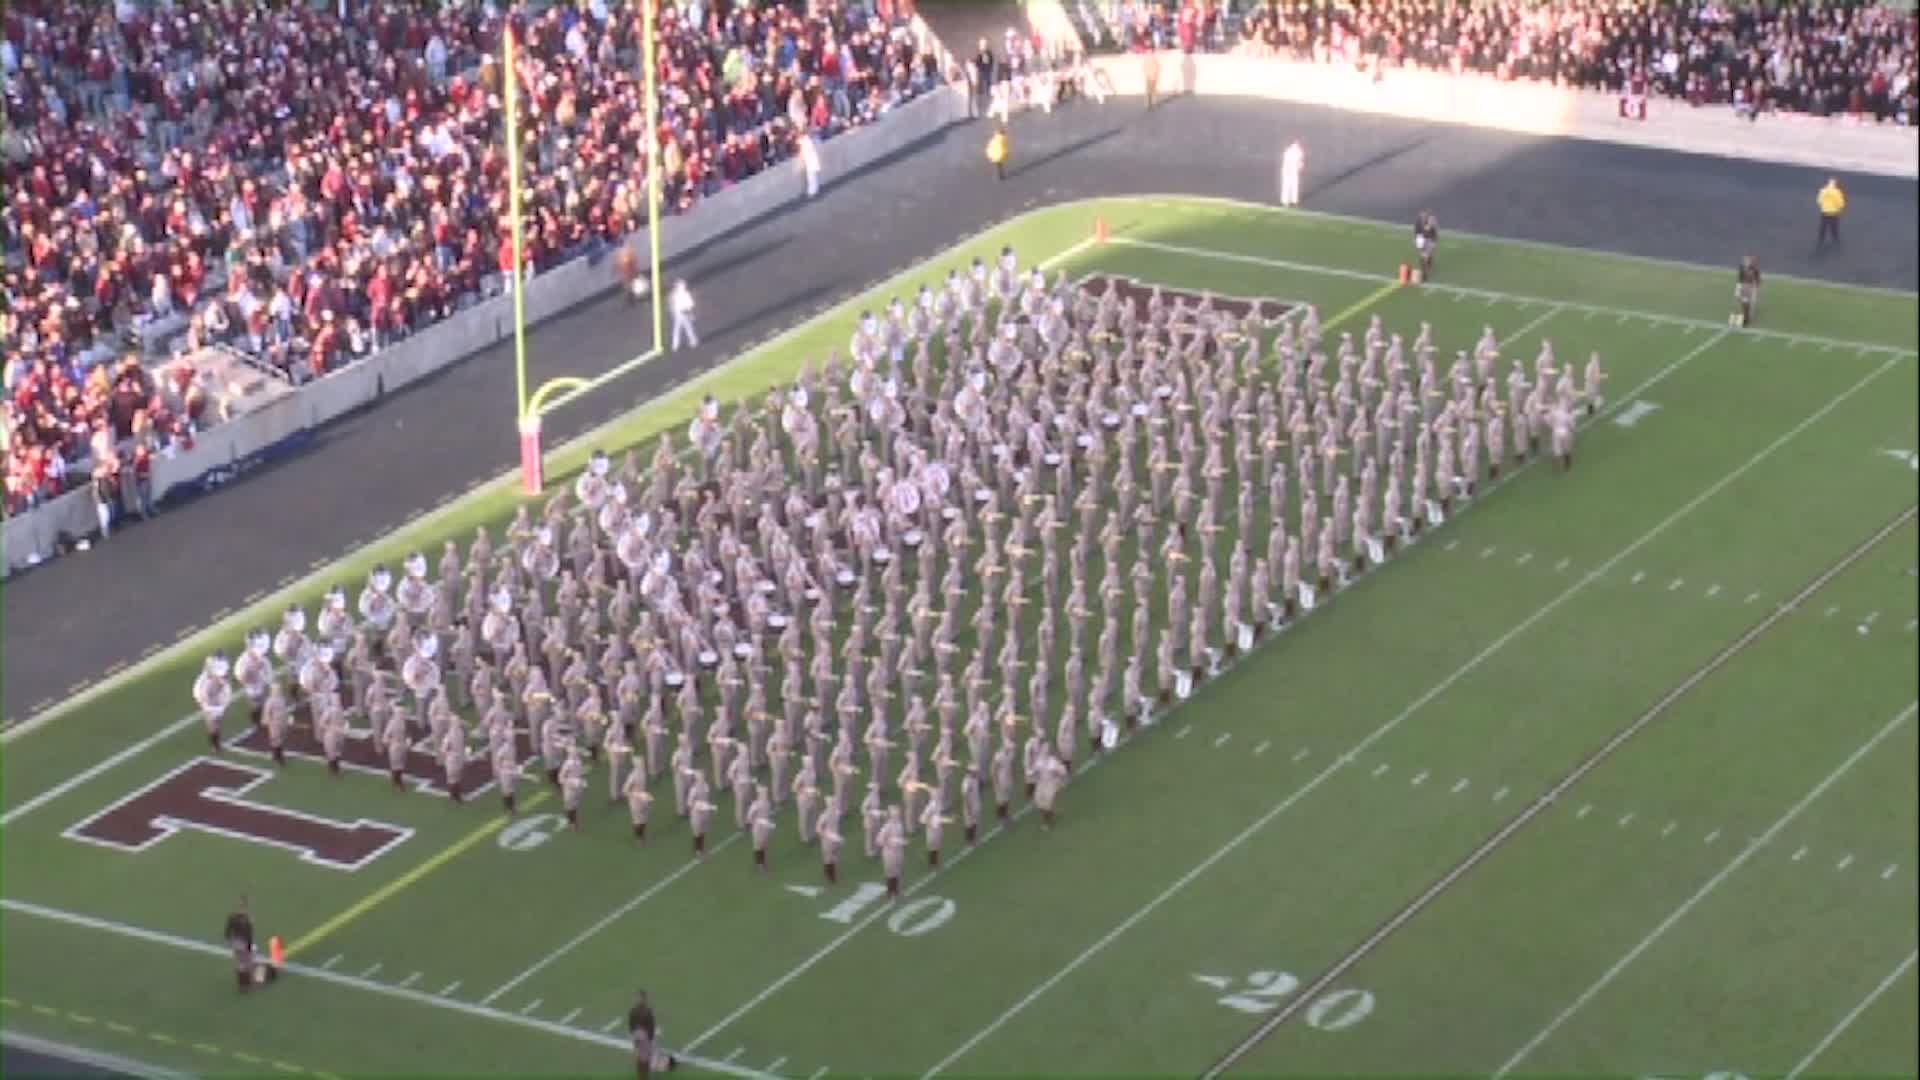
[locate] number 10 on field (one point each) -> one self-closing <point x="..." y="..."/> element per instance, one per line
<point x="913" y="918"/>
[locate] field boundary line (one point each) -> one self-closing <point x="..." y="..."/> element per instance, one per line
<point x="420" y="997"/>
<point x="386" y="892"/>
<point x="1374" y="736"/>
<point x="1712" y="883"/>
<point x="88" y="774"/>
<point x="617" y="913"/>
<point x="96" y="1059"/>
<point x="1853" y="1014"/>
<point x="1495" y="294"/>
<point x="460" y="502"/>
<point x="1312" y="990"/>
<point x="1538" y="245"/>
<point x="848" y="934"/>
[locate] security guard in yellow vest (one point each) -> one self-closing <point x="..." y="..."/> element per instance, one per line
<point x="998" y="148"/>
<point x="1833" y="202"/>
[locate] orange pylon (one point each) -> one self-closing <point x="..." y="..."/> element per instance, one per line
<point x="1099" y="230"/>
<point x="276" y="951"/>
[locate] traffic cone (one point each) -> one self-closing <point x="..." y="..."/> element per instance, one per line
<point x="1099" y="230"/>
<point x="276" y="950"/>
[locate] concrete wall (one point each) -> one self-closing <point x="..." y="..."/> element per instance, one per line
<point x="479" y="327"/>
<point x="1536" y="109"/>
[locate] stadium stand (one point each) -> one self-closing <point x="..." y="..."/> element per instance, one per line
<point x="301" y="189"/>
<point x="1847" y="59"/>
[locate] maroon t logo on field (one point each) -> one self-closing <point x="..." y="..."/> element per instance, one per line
<point x="206" y="795"/>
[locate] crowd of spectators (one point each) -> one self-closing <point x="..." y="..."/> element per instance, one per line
<point x="1828" y="59"/>
<point x="304" y="182"/>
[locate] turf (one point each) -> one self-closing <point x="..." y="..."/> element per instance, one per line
<point x="1206" y="877"/>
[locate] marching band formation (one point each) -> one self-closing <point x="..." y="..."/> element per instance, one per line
<point x="1021" y="517"/>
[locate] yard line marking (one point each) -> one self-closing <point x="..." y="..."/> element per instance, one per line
<point x="88" y="774"/>
<point x="411" y="979"/>
<point x="386" y="892"/>
<point x="737" y="1051"/>
<point x="1301" y="754"/>
<point x="1844" y="862"/>
<point x="1380" y="770"/>
<point x="608" y="920"/>
<point x="530" y="1006"/>
<point x="1712" y="883"/>
<point x="1584" y="811"/>
<point x="1363" y="304"/>
<point x="1713" y="591"/>
<point x="447" y="990"/>
<point x="1801" y="854"/>
<point x="368" y="974"/>
<point x="1626" y="819"/>
<point x="568" y="1019"/>
<point x="332" y="960"/>
<point x="1853" y="1014"/>
<point x="1637" y="578"/>
<point x="1593" y="760"/>
<point x="1222" y="740"/>
<point x="1459" y="787"/>
<point x="1524" y="559"/>
<point x="1889" y="871"/>
<point x="1501" y="794"/>
<point x="1262" y="748"/>
<point x="104" y="1062"/>
<point x="1419" y="778"/>
<point x="1562" y="565"/>
<point x="207" y="948"/>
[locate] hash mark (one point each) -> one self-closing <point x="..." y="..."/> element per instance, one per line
<point x="1380" y="771"/>
<point x="1182" y="733"/>
<point x="1459" y="787"/>
<point x="1451" y="544"/>
<point x="1626" y="819"/>
<point x="1638" y="577"/>
<point x="1562" y="564"/>
<point x="1301" y="754"/>
<point x="447" y="990"/>
<point x="1712" y="836"/>
<point x="1713" y="591"/>
<point x="1668" y="831"/>
<point x="332" y="960"/>
<point x="1584" y="810"/>
<point x="1889" y="871"/>
<point x="737" y="1051"/>
<point x="611" y="1024"/>
<point x="1488" y="553"/>
<point x="1420" y="778"/>
<point x="818" y="1073"/>
<point x="368" y="974"/>
<point x="1751" y="597"/>
<point x="1501" y="794"/>
<point x="1844" y="862"/>
<point x="774" y="1065"/>
<point x="1675" y="584"/>
<point x="1222" y="740"/>
<point x="1524" y="559"/>
<point x="1869" y="620"/>
<point x="568" y="1019"/>
<point x="1911" y="623"/>
<point x="531" y="1005"/>
<point x="409" y="980"/>
<point x="112" y="1025"/>
<point x="1831" y="612"/>
<point x="1801" y="854"/>
<point x="1261" y="749"/>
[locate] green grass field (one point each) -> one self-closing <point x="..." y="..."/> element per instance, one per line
<point x="1613" y="773"/>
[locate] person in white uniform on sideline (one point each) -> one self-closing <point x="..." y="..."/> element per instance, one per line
<point x="680" y="303"/>
<point x="1293" y="161"/>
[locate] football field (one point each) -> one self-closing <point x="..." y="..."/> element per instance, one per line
<point x="1612" y="772"/>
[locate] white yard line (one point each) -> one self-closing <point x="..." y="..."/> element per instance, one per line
<point x="90" y="772"/>
<point x="1606" y="978"/>
<point x="614" y="916"/>
<point x="1853" y="1014"/>
<point x="1472" y="664"/>
<point x="110" y="1064"/>
<point x="1463" y="291"/>
<point x="207" y="948"/>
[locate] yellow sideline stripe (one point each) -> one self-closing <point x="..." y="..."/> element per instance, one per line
<point x="393" y="888"/>
<point x="1372" y="298"/>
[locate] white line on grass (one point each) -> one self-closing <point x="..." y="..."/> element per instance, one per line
<point x="1801" y="854"/>
<point x="817" y="1073"/>
<point x="1562" y="565"/>
<point x="332" y="960"/>
<point x="1459" y="787"/>
<point x="1712" y="883"/>
<point x="1183" y="732"/>
<point x="1419" y="778"/>
<point x="568" y="1019"/>
<point x="1501" y="794"/>
<point x="369" y="973"/>
<point x="1439" y="688"/>
<point x="411" y="979"/>
<point x="613" y="1023"/>
<point x="1626" y="819"/>
<point x="1845" y="861"/>
<point x="1222" y="739"/>
<point x="612" y="917"/>
<point x="1712" y="836"/>
<point x="447" y="990"/>
<point x="1583" y="812"/>
<point x="109" y="1064"/>
<point x="1887" y="874"/>
<point x="207" y="948"/>
<point x="87" y="774"/>
<point x="529" y="1007"/>
<point x="1854" y="1014"/>
<point x="1301" y="754"/>
<point x="1380" y="770"/>
<point x="1261" y="749"/>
